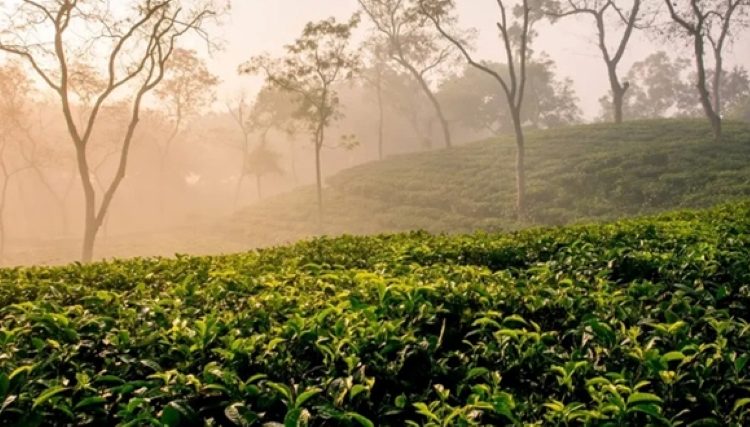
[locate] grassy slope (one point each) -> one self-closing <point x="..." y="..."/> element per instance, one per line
<point x="590" y="172"/>
<point x="632" y="323"/>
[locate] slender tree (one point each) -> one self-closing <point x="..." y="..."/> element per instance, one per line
<point x="138" y="46"/>
<point x="239" y="115"/>
<point x="318" y="60"/>
<point x="411" y="45"/>
<point x="187" y="90"/>
<point x="374" y="76"/>
<point x="600" y="11"/>
<point x="708" y="21"/>
<point x="515" y="39"/>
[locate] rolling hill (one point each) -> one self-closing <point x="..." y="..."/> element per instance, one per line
<point x="575" y="174"/>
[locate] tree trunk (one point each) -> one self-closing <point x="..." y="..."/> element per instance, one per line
<point x="618" y="92"/>
<point x="89" y="237"/>
<point x="319" y="181"/>
<point x="617" y="100"/>
<point x="91" y="227"/>
<point x="717" y="82"/>
<point x="705" y="96"/>
<point x="520" y="166"/>
<point x="257" y="186"/>
<point x="319" y="138"/>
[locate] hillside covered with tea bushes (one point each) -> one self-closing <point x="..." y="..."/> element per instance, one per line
<point x="574" y="174"/>
<point x="638" y="322"/>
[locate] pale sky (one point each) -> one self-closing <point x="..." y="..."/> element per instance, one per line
<point x="254" y="26"/>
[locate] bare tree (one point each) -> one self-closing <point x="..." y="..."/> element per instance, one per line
<point x="139" y="46"/>
<point x="600" y="11"/>
<point x="187" y="90"/>
<point x="374" y="75"/>
<point x="708" y="20"/>
<point x="411" y="45"/>
<point x="318" y="60"/>
<point x="515" y="38"/>
<point x="239" y="115"/>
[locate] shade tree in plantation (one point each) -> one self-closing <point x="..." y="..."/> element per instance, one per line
<point x="238" y="111"/>
<point x="515" y="33"/>
<point x="476" y="103"/>
<point x="615" y="22"/>
<point x="188" y="89"/>
<point x="373" y="74"/>
<point x="710" y="26"/>
<point x="272" y="110"/>
<point x="405" y="33"/>
<point x="129" y="45"/>
<point x="320" y="59"/>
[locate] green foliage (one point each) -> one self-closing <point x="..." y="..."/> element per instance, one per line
<point x="641" y="322"/>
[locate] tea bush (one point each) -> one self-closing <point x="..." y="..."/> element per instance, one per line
<point x="574" y="174"/>
<point x="639" y="322"/>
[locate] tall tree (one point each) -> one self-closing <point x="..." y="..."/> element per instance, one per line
<point x="318" y="60"/>
<point x="239" y="113"/>
<point x="137" y="41"/>
<point x="515" y="39"/>
<point x="600" y="11"/>
<point x="411" y="45"/>
<point x="374" y="75"/>
<point x="709" y="21"/>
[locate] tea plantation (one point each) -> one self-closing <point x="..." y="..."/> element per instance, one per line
<point x="575" y="174"/>
<point x="640" y="322"/>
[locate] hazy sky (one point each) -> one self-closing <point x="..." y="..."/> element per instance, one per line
<point x="255" y="26"/>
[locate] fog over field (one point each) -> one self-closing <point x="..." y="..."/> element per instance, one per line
<point x="361" y="213"/>
<point x="200" y="135"/>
